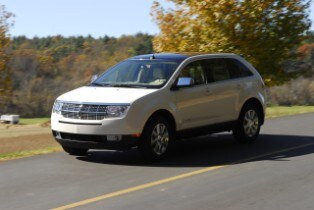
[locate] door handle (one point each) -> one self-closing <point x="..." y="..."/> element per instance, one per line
<point x="239" y="86"/>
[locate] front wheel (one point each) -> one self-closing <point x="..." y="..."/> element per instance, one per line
<point x="248" y="125"/>
<point x="75" y="151"/>
<point x="155" y="139"/>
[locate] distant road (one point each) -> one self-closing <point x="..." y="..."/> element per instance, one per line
<point x="276" y="172"/>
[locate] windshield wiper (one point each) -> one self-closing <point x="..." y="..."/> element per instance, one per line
<point x="128" y="85"/>
<point x="101" y="84"/>
<point x="117" y="85"/>
<point x="95" y="84"/>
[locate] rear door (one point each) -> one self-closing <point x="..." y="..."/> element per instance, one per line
<point x="222" y="92"/>
<point x="242" y="79"/>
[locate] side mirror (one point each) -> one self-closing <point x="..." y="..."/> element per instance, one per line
<point x="185" y="82"/>
<point x="93" y="78"/>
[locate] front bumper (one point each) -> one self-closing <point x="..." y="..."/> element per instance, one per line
<point x="111" y="126"/>
<point x="84" y="141"/>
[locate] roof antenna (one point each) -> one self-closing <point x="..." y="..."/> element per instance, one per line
<point x="153" y="57"/>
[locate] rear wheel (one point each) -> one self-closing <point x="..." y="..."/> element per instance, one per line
<point x="248" y="125"/>
<point x="155" y="139"/>
<point x="74" y="151"/>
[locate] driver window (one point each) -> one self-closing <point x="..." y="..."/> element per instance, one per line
<point x="195" y="71"/>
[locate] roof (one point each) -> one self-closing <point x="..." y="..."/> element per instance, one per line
<point x="162" y="56"/>
<point x="170" y="56"/>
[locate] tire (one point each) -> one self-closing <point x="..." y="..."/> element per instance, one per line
<point x="75" y="151"/>
<point x="156" y="138"/>
<point x="249" y="123"/>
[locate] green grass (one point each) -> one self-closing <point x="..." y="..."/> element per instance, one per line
<point x="279" y="111"/>
<point x="23" y="154"/>
<point x="30" y="121"/>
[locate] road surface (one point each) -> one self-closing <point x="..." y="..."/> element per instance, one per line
<point x="212" y="172"/>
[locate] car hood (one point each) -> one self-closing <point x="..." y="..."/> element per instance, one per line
<point x="110" y="95"/>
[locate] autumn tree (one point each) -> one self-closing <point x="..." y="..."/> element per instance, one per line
<point x="263" y="31"/>
<point x="5" y="80"/>
<point x="306" y="58"/>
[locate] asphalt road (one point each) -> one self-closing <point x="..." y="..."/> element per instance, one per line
<point x="215" y="172"/>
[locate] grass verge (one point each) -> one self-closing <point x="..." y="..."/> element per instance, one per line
<point x="279" y="111"/>
<point x="16" y="155"/>
<point x="31" y="121"/>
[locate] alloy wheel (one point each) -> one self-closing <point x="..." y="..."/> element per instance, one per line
<point x="251" y="123"/>
<point x="160" y="139"/>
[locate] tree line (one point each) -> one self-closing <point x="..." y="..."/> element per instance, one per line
<point x="43" y="68"/>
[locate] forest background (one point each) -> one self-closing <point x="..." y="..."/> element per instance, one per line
<point x="34" y="71"/>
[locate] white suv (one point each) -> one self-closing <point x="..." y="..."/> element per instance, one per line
<point x="148" y="101"/>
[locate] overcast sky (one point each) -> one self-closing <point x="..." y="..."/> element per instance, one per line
<point x="83" y="17"/>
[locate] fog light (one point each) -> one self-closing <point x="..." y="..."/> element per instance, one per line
<point x="58" y="135"/>
<point x="114" y="138"/>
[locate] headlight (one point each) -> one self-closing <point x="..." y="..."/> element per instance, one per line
<point x="57" y="107"/>
<point x="117" y="111"/>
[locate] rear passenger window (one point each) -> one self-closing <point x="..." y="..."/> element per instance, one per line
<point x="216" y="70"/>
<point x="237" y="69"/>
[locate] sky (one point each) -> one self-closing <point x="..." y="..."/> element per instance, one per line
<point x="84" y="17"/>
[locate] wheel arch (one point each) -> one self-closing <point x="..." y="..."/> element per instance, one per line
<point x="164" y="113"/>
<point x="259" y="105"/>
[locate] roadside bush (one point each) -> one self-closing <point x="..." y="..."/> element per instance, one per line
<point x="299" y="91"/>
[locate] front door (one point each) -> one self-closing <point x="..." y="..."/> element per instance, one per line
<point x="191" y="102"/>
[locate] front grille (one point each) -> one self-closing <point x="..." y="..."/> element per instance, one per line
<point x="84" y="111"/>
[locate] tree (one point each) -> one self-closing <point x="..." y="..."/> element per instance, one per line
<point x="306" y="57"/>
<point x="145" y="44"/>
<point x="263" y="31"/>
<point x="5" y="79"/>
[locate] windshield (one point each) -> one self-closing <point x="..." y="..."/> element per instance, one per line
<point x="138" y="73"/>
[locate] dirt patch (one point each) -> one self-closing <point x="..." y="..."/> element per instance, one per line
<point x="27" y="142"/>
<point x="46" y="124"/>
<point x="18" y="141"/>
<point x="8" y="130"/>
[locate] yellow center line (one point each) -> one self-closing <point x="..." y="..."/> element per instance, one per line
<point x="170" y="179"/>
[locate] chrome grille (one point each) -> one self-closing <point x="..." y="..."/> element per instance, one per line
<point x="84" y="111"/>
